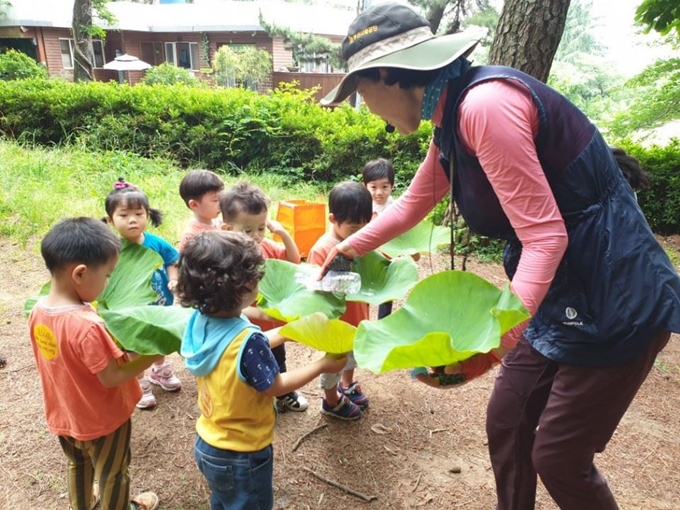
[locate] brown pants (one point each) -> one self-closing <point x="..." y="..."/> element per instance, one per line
<point x="105" y="459"/>
<point x="576" y="410"/>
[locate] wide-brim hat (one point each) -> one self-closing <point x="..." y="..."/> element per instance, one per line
<point x="394" y="35"/>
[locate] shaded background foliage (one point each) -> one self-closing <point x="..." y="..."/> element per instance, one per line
<point x="237" y="130"/>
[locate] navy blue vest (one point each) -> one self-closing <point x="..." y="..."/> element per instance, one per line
<point x="615" y="288"/>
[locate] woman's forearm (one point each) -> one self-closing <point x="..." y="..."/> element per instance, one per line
<point x="426" y="190"/>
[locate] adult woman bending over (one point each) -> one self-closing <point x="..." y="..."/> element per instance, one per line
<point x="525" y="165"/>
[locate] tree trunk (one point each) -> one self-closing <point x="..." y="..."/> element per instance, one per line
<point x="528" y="34"/>
<point x="82" y="22"/>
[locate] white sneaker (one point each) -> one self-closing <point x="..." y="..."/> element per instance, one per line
<point x="164" y="377"/>
<point x="148" y="400"/>
<point x="293" y="401"/>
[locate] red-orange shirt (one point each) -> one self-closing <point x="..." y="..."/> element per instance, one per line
<point x="273" y="250"/>
<point x="195" y="227"/>
<point x="71" y="346"/>
<point x="355" y="312"/>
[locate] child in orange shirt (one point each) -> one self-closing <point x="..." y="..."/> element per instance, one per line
<point x="200" y="190"/>
<point x="350" y="208"/>
<point x="244" y="209"/>
<point x="89" y="385"/>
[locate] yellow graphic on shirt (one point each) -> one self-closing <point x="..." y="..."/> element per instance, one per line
<point x="204" y="399"/>
<point x="46" y="341"/>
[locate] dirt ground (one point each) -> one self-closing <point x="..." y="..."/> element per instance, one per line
<point x="415" y="448"/>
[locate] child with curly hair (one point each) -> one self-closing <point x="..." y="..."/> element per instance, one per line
<point x="237" y="374"/>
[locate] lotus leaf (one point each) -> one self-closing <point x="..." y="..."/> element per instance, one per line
<point x="425" y="237"/>
<point x="285" y="295"/>
<point x="447" y="317"/>
<point x="130" y="282"/>
<point x="147" y="329"/>
<point x="382" y="279"/>
<point x="321" y="333"/>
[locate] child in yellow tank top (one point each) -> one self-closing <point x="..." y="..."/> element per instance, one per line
<point x="237" y="374"/>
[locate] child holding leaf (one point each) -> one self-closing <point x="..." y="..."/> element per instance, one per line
<point x="245" y="209"/>
<point x="128" y="210"/>
<point x="350" y="208"/>
<point x="237" y="374"/>
<point x="88" y="383"/>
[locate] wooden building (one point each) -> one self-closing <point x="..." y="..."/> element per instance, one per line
<point x="185" y="35"/>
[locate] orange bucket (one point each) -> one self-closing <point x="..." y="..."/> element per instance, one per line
<point x="304" y="221"/>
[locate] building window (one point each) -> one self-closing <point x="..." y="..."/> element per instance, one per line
<point x="315" y="63"/>
<point x="96" y="53"/>
<point x="66" y="46"/>
<point x="182" y="54"/>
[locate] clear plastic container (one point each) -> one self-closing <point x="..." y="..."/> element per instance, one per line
<point x="343" y="282"/>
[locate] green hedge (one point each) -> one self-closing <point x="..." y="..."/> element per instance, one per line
<point x="236" y="130"/>
<point x="661" y="201"/>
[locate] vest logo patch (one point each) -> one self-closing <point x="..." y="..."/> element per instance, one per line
<point x="570" y="313"/>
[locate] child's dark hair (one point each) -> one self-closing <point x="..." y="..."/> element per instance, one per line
<point x="79" y="241"/>
<point x="197" y="183"/>
<point x="242" y="197"/>
<point x="631" y="168"/>
<point x="217" y="269"/>
<point x="377" y="169"/>
<point x="128" y="195"/>
<point x="350" y="201"/>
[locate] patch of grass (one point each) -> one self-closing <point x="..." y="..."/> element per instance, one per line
<point x="41" y="186"/>
<point x="673" y="255"/>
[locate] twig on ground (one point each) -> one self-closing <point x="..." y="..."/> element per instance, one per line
<point x="465" y="502"/>
<point x="417" y="482"/>
<point x="390" y="450"/>
<point x="434" y="431"/>
<point x="340" y="486"/>
<point x="18" y="369"/>
<point x="297" y="443"/>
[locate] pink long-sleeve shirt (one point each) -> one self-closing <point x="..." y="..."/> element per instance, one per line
<point x="498" y="123"/>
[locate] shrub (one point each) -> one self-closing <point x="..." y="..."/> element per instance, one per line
<point x="661" y="201"/>
<point x="168" y="74"/>
<point x="15" y="65"/>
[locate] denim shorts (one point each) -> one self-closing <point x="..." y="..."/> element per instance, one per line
<point x="238" y="480"/>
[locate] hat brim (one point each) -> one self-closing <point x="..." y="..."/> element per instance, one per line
<point x="425" y="56"/>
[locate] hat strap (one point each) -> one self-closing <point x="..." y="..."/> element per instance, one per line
<point x="389" y="45"/>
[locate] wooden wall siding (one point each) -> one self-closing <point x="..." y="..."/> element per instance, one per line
<point x="309" y="80"/>
<point x="130" y="42"/>
<point x="51" y="38"/>
<point x="281" y="57"/>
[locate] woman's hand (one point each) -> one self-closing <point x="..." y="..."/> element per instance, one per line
<point x="460" y="373"/>
<point x="340" y="258"/>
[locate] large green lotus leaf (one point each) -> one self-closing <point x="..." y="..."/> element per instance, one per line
<point x="147" y="329"/>
<point x="425" y="237"/>
<point x="130" y="282"/>
<point x="447" y="317"/>
<point x="30" y="302"/>
<point x="285" y="295"/>
<point x="321" y="333"/>
<point x="382" y="279"/>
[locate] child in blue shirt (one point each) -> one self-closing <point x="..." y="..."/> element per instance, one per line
<point x="128" y="210"/>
